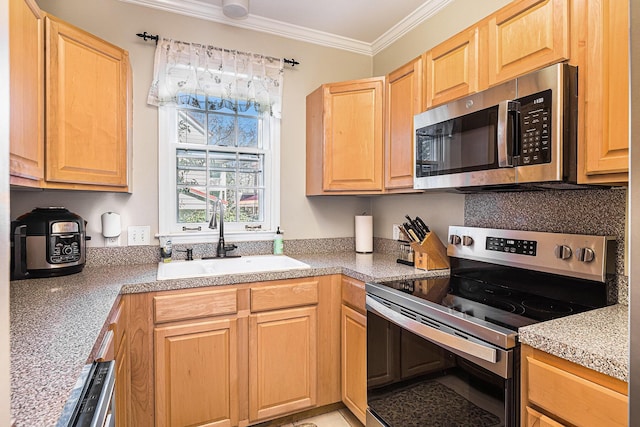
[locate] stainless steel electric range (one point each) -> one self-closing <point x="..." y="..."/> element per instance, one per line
<point x="444" y="351"/>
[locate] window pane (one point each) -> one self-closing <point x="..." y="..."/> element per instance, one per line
<point x="222" y="169"/>
<point x="247" y="131"/>
<point x="230" y="206"/>
<point x="191" y="167"/>
<point x="250" y="205"/>
<point x="191" y="127"/>
<point x="191" y="204"/>
<point x="250" y="170"/>
<point x="222" y="130"/>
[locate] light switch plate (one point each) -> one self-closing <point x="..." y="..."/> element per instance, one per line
<point x="138" y="235"/>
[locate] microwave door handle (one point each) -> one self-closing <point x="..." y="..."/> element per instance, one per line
<point x="457" y="343"/>
<point x="507" y="132"/>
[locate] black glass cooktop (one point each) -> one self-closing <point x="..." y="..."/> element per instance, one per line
<point x="506" y="296"/>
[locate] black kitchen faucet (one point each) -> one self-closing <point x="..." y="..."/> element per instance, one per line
<point x="222" y="249"/>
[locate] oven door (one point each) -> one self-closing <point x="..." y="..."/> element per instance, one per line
<point x="422" y="374"/>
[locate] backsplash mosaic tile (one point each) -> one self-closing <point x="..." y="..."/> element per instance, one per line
<point x="590" y="211"/>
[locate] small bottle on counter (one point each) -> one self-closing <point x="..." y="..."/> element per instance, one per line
<point x="278" y="243"/>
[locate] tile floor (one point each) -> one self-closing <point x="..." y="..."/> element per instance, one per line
<point x="339" y="418"/>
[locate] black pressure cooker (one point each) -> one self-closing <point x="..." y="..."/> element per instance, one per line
<point x="47" y="242"/>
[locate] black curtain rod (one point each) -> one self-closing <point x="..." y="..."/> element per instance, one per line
<point x="145" y="36"/>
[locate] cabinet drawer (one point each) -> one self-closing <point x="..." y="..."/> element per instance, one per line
<point x="573" y="398"/>
<point x="304" y="292"/>
<point x="169" y="308"/>
<point x="353" y="294"/>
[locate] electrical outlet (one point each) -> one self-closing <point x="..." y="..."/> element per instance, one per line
<point x="112" y="241"/>
<point x="396" y="231"/>
<point x="138" y="235"/>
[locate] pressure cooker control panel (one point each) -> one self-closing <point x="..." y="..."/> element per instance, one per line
<point x="64" y="243"/>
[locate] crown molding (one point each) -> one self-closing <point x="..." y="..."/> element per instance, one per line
<point x="209" y="12"/>
<point x="421" y="14"/>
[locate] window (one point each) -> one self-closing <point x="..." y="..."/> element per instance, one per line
<point x="218" y="153"/>
<point x="219" y="132"/>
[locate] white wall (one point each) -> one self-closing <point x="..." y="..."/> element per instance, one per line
<point x="118" y="22"/>
<point x="5" y="400"/>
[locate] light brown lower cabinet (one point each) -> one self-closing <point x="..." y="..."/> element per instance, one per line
<point x="354" y="361"/>
<point x="282" y="362"/>
<point x="556" y="392"/>
<point x="234" y="355"/>
<point x="197" y="374"/>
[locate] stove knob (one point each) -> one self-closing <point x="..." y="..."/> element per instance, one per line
<point x="585" y="254"/>
<point x="467" y="240"/>
<point x="454" y="239"/>
<point x="562" y="252"/>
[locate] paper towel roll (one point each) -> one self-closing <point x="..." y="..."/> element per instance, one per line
<point x="111" y="224"/>
<point x="364" y="233"/>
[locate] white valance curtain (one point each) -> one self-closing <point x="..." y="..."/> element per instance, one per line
<point x="227" y="77"/>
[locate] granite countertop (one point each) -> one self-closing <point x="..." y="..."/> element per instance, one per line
<point x="597" y="339"/>
<point x="55" y="322"/>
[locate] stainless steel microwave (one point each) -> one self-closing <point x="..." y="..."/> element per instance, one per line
<point x="519" y="133"/>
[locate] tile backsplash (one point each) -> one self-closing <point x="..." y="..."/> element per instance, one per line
<point x="590" y="211"/>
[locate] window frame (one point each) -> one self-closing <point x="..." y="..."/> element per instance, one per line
<point x="167" y="186"/>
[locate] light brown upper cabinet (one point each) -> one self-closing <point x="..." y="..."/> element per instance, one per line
<point x="26" y="93"/>
<point x="403" y="99"/>
<point x="527" y="35"/>
<point x="452" y="68"/>
<point x="345" y="152"/>
<point x="87" y="105"/>
<point x="603" y="63"/>
<point x="70" y="95"/>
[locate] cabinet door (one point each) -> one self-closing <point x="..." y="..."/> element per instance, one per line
<point x="87" y="109"/>
<point x="353" y="142"/>
<point x="403" y="100"/>
<point x="604" y="153"/>
<point x="282" y="362"/>
<point x="26" y="92"/>
<point x="452" y="69"/>
<point x="527" y="35"/>
<point x="354" y="362"/>
<point x="534" y="418"/>
<point x="196" y="374"/>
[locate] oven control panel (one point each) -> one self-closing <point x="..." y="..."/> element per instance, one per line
<point x="513" y="246"/>
<point x="574" y="255"/>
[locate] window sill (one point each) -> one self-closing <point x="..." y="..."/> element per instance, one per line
<point x="212" y="236"/>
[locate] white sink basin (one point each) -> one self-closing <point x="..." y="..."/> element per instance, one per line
<point x="221" y="266"/>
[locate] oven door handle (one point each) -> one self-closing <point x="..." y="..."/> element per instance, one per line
<point x="457" y="343"/>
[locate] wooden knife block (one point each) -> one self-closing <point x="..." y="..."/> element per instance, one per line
<point x="430" y="254"/>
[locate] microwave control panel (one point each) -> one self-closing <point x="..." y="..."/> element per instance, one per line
<point x="535" y="128"/>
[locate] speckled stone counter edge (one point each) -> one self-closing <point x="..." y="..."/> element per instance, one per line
<point x="597" y="339"/>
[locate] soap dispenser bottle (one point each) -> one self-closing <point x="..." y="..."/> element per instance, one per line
<point x="278" y="243"/>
